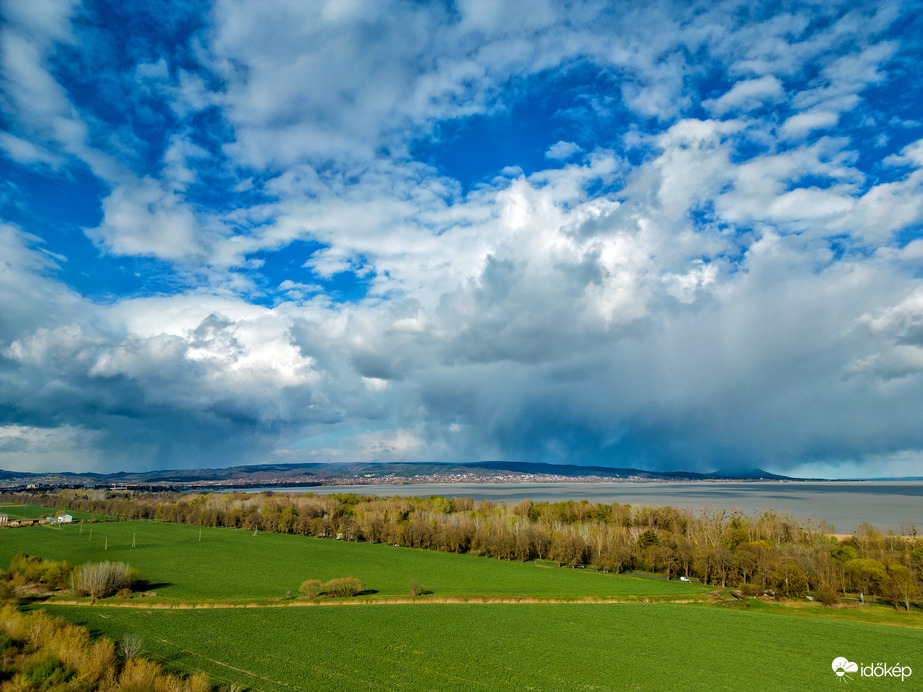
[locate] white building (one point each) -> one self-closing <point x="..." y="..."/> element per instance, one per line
<point x="65" y="519"/>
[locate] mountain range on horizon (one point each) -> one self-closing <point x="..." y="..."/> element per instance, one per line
<point x="380" y="471"/>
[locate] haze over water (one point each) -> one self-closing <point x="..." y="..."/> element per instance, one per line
<point x="887" y="505"/>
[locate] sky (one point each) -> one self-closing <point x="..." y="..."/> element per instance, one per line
<point x="660" y="235"/>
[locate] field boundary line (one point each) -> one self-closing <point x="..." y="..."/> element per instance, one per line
<point x="446" y="600"/>
<point x="397" y="600"/>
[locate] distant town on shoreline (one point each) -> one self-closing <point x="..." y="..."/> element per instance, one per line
<point x="370" y="473"/>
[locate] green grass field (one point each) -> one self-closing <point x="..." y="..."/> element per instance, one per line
<point x="508" y="647"/>
<point x="368" y="643"/>
<point x="229" y="564"/>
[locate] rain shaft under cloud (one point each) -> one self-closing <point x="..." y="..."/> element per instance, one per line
<point x="684" y="236"/>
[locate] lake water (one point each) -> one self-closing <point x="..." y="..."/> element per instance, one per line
<point x="886" y="505"/>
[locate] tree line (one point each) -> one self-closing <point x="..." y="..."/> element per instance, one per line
<point x="768" y="553"/>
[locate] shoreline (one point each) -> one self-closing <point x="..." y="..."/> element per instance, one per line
<point x="844" y="505"/>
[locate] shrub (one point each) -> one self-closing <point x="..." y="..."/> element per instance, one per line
<point x="338" y="588"/>
<point x="827" y="595"/>
<point x="70" y="645"/>
<point x="35" y="570"/>
<point x="345" y="587"/>
<point x="139" y="675"/>
<point x="55" y="655"/>
<point x="415" y="588"/>
<point x="103" y="579"/>
<point x="47" y="670"/>
<point x="14" y="624"/>
<point x="198" y="682"/>
<point x="22" y="563"/>
<point x="6" y="592"/>
<point x="131" y="645"/>
<point x="42" y="628"/>
<point x="57" y="574"/>
<point x="750" y="590"/>
<point x="98" y="662"/>
<point x="312" y="588"/>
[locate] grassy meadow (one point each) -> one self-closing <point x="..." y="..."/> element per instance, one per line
<point x="230" y="564"/>
<point x="221" y="608"/>
<point x="504" y="646"/>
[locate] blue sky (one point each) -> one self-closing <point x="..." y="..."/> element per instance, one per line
<point x="674" y="235"/>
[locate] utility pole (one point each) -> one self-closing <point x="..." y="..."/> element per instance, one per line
<point x="133" y="539"/>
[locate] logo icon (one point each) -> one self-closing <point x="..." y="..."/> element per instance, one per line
<point x="841" y="666"/>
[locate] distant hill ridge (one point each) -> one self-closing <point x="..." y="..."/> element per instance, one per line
<point x="574" y="470"/>
<point x="374" y="470"/>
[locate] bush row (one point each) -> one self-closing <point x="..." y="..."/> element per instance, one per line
<point x="346" y="587"/>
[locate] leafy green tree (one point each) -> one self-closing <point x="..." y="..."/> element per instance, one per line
<point x="791" y="579"/>
<point x="685" y="555"/>
<point x="866" y="575"/>
<point x="843" y="553"/>
<point x="900" y="587"/>
<point x="661" y="558"/>
<point x="744" y="563"/>
<point x="567" y="549"/>
<point x="615" y="556"/>
<point x="648" y="538"/>
<point x="916" y="558"/>
<point x="735" y="537"/>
